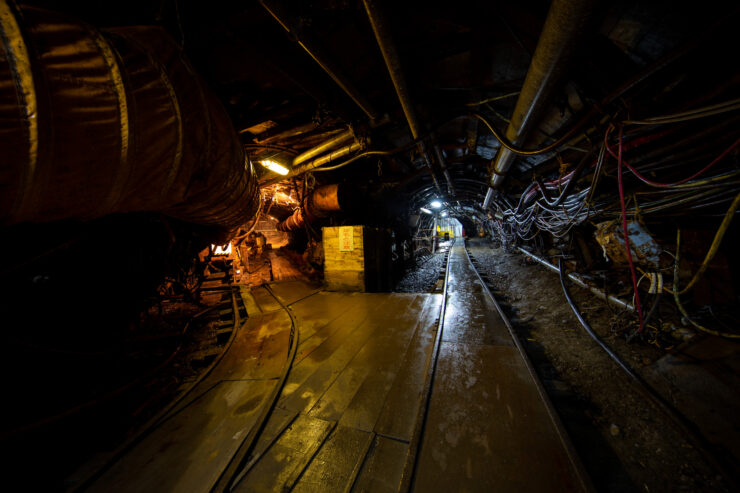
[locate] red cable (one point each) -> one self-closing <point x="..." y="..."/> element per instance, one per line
<point x="624" y="227"/>
<point x="668" y="185"/>
<point x="553" y="184"/>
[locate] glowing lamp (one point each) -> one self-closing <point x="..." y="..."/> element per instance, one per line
<point x="274" y="167"/>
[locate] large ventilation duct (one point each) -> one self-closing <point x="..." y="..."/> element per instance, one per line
<point x="95" y="123"/>
<point x="320" y="203"/>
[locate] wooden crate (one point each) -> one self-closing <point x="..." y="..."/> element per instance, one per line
<point x="357" y="258"/>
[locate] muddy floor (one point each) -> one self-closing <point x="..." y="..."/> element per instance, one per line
<point x="422" y="277"/>
<point x="625" y="442"/>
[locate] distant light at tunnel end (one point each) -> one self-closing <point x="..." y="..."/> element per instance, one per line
<point x="275" y="167"/>
<point x="436" y="204"/>
<point x="444" y="214"/>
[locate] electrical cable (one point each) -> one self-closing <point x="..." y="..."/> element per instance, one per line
<point x="355" y="158"/>
<point x="687" y="426"/>
<point x="576" y="174"/>
<point x="713" y="249"/>
<point x="273" y="147"/>
<point x="668" y="185"/>
<point x="626" y="232"/>
<point x="588" y="328"/>
<point x="677" y="298"/>
<point x="494" y="98"/>
<point x="715" y="109"/>
<point x="522" y="152"/>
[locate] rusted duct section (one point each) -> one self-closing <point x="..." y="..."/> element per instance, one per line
<point x="323" y="147"/>
<point x="565" y="24"/>
<point x="97" y="123"/>
<point x="393" y="64"/>
<point x="278" y="10"/>
<point x="320" y="203"/>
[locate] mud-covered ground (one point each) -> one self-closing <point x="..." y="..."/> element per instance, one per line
<point x="423" y="276"/>
<point x="625" y="442"/>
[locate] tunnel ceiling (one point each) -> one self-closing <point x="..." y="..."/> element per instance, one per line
<point x="294" y="74"/>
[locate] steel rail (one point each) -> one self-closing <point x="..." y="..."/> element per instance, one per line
<point x="409" y="469"/>
<point x="575" y="460"/>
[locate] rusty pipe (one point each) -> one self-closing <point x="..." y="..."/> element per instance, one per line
<point x="383" y="36"/>
<point x="323" y="147"/>
<point x="320" y="203"/>
<point x="277" y="9"/>
<point x="565" y="24"/>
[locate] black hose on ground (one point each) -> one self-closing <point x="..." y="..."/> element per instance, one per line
<point x="689" y="428"/>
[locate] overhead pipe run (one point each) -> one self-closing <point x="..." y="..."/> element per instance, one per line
<point x="323" y="147"/>
<point x="565" y="25"/>
<point x="277" y="10"/>
<point x="393" y="64"/>
<point x="320" y="161"/>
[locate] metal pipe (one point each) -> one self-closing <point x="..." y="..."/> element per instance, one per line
<point x="565" y="24"/>
<point x="393" y="64"/>
<point x="326" y="158"/>
<point x="581" y="282"/>
<point x="277" y="9"/>
<point x="285" y="134"/>
<point x="323" y="147"/>
<point x="320" y="203"/>
<point x="443" y="166"/>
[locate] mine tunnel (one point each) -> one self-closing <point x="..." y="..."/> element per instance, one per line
<point x="370" y="246"/>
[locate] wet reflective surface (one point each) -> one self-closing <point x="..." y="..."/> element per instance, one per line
<point x="488" y="427"/>
<point x="346" y="417"/>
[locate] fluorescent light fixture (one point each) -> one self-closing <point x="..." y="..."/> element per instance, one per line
<point x="436" y="204"/>
<point x="425" y="210"/>
<point x="444" y="214"/>
<point x="275" y="167"/>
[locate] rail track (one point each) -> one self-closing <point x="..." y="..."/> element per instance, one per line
<point x="359" y="391"/>
<point x="414" y="458"/>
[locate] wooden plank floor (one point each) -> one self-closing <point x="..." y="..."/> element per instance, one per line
<point x="197" y="439"/>
<point x="346" y="416"/>
<point x="350" y="405"/>
<point x="350" y="381"/>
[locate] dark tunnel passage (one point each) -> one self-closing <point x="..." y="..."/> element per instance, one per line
<point x="369" y="246"/>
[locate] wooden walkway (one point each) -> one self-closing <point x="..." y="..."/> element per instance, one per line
<point x="347" y="417"/>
